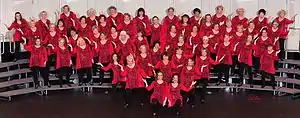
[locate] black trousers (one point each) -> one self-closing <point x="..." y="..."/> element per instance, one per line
<point x="256" y="64"/>
<point x="234" y="64"/>
<point x="281" y="54"/>
<point x="155" y="105"/>
<point x="223" y="69"/>
<point x="138" y="93"/>
<point x="81" y="72"/>
<point x="51" y="63"/>
<point x="203" y="83"/>
<point x="43" y="72"/>
<point x="101" y="74"/>
<point x="265" y="75"/>
<point x="190" y="96"/>
<point x="64" y="71"/>
<point x="17" y="50"/>
<point x="242" y="67"/>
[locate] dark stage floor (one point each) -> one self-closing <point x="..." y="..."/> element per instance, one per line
<point x="75" y="104"/>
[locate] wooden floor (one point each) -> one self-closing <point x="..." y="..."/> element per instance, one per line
<point x="75" y="104"/>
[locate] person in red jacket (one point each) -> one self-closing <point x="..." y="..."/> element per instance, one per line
<point x="184" y="25"/>
<point x="170" y="39"/>
<point x="207" y="25"/>
<point x="193" y="38"/>
<point x="260" y="20"/>
<point x="63" y="60"/>
<point x="115" y="66"/>
<point x="238" y="37"/>
<point x="113" y="34"/>
<point x="142" y="22"/>
<point x="245" y="60"/>
<point x="44" y="23"/>
<point x="68" y="17"/>
<point x="187" y="77"/>
<point x="84" y="60"/>
<point x="61" y="28"/>
<point x="144" y="60"/>
<point x="240" y="18"/>
<point x="33" y="32"/>
<point x="92" y="19"/>
<point x="260" y="46"/>
<point x="127" y="25"/>
<point x="105" y="50"/>
<point x="134" y="81"/>
<point x="155" y="53"/>
<point x="196" y="18"/>
<point x="251" y="30"/>
<point x="83" y="28"/>
<point x="219" y="17"/>
<point x="178" y="60"/>
<point x="174" y="96"/>
<point x="204" y="63"/>
<point x="267" y="66"/>
<point x="158" y="97"/>
<point x="104" y="26"/>
<point x="155" y="30"/>
<point x="115" y="17"/>
<point x="224" y="56"/>
<point x="227" y="29"/>
<point x="37" y="62"/>
<point x="140" y="40"/>
<point x="20" y="26"/>
<point x="165" y="65"/>
<point x="170" y="19"/>
<point x="124" y="46"/>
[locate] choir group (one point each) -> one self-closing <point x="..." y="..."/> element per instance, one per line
<point x="172" y="56"/>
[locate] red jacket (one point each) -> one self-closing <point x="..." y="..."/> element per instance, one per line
<point x="194" y="21"/>
<point x="156" y="56"/>
<point x="284" y="25"/>
<point x="91" y="22"/>
<point x="53" y="40"/>
<point x="105" y="28"/>
<point x="44" y="27"/>
<point x="228" y="31"/>
<point x="159" y="91"/>
<point x="261" y="46"/>
<point x="134" y="77"/>
<point x="267" y="62"/>
<point x="188" y="76"/>
<point x="117" y="78"/>
<point x="124" y="49"/>
<point x="84" y="31"/>
<point x="129" y="28"/>
<point x="245" y="54"/>
<point x="200" y="63"/>
<point x="137" y="43"/>
<point x="253" y="32"/>
<point x="174" y="93"/>
<point x="23" y="27"/>
<point x="155" y="34"/>
<point x="260" y="24"/>
<point x="38" y="56"/>
<point x="115" y="21"/>
<point x="63" y="57"/>
<point x="176" y="62"/>
<point x="105" y="51"/>
<point x="68" y="20"/>
<point x="218" y="20"/>
<point x="84" y="57"/>
<point x="142" y="24"/>
<point x="237" y="21"/>
<point x="226" y="51"/>
<point x="166" y="69"/>
<point x="143" y="63"/>
<point x="31" y="35"/>
<point x="62" y="32"/>
<point x="167" y="22"/>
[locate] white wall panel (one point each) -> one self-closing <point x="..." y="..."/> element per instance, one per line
<point x="158" y="7"/>
<point x="130" y="6"/>
<point x="50" y="6"/>
<point x="250" y="6"/>
<point x="102" y="5"/>
<point x="273" y="6"/>
<point x="80" y="7"/>
<point x="181" y="9"/>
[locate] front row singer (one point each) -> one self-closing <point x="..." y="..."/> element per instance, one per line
<point x="167" y="94"/>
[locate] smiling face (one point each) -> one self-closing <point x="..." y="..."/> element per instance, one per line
<point x="275" y="24"/>
<point x="160" y="76"/>
<point x="170" y="12"/>
<point x="66" y="9"/>
<point x="173" y="29"/>
<point x="113" y="11"/>
<point x="155" y="20"/>
<point x="113" y="30"/>
<point x="264" y="33"/>
<point x="190" y="62"/>
<point x="18" y="16"/>
<point x="165" y="57"/>
<point x="61" y="42"/>
<point x="115" y="57"/>
<point x="102" y="36"/>
<point x="38" y="42"/>
<point x="52" y="28"/>
<point x="143" y="49"/>
<point x="195" y="28"/>
<point x="249" y="38"/>
<point x="175" y="79"/>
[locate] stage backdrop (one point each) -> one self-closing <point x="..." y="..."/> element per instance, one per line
<point x="31" y="8"/>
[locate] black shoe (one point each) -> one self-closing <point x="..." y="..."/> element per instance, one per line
<point x="91" y="83"/>
<point x="251" y="86"/>
<point x="15" y="60"/>
<point x="193" y="105"/>
<point x="126" y="105"/>
<point x="202" y="101"/>
<point x="218" y="83"/>
<point x="227" y="84"/>
<point x="60" y="86"/>
<point x="154" y="115"/>
<point x="36" y="86"/>
<point x="100" y="83"/>
<point x="273" y="87"/>
<point x="263" y="86"/>
<point x="69" y="84"/>
<point x="49" y="85"/>
<point x="80" y="84"/>
<point x="177" y="113"/>
<point x="142" y="105"/>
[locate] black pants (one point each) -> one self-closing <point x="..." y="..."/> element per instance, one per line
<point x="51" y="63"/>
<point x="234" y="64"/>
<point x="281" y="54"/>
<point x="242" y="67"/>
<point x="138" y="93"/>
<point x="17" y="50"/>
<point x="64" y="71"/>
<point x="155" y="105"/>
<point x="81" y="72"/>
<point x="265" y="75"/>
<point x="43" y="72"/>
<point x="223" y="69"/>
<point x="203" y="82"/>
<point x="190" y="96"/>
<point x="256" y="64"/>
<point x="101" y="74"/>
<point x="276" y="64"/>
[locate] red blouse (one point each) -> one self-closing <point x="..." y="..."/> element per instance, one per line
<point x="261" y="46"/>
<point x="91" y="22"/>
<point x="156" y="56"/>
<point x="159" y="91"/>
<point x="134" y="77"/>
<point x="38" y="56"/>
<point x="176" y="62"/>
<point x="84" y="31"/>
<point x="104" y="28"/>
<point x="200" y="63"/>
<point x="155" y="34"/>
<point x="115" y="21"/>
<point x="105" y="51"/>
<point x="143" y="63"/>
<point x="284" y="25"/>
<point x="188" y="76"/>
<point x="260" y="24"/>
<point x="31" y="35"/>
<point x="226" y="52"/>
<point x="44" y="27"/>
<point x="63" y="57"/>
<point x="267" y="62"/>
<point x="218" y="20"/>
<point x="68" y="20"/>
<point x="237" y="21"/>
<point x="142" y="24"/>
<point x="23" y="27"/>
<point x="117" y="78"/>
<point x="166" y="69"/>
<point x="84" y="57"/>
<point x="174" y="93"/>
<point x="245" y="54"/>
<point x="129" y="28"/>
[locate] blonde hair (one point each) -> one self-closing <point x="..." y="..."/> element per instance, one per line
<point x="281" y="11"/>
<point x="91" y="10"/>
<point x="43" y="12"/>
<point x="219" y="6"/>
<point x="239" y="9"/>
